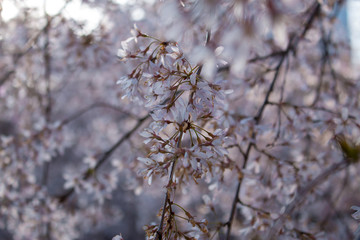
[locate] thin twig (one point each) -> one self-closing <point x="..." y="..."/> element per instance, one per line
<point x="167" y="195"/>
<point x="271" y="55"/>
<point x="281" y="99"/>
<point x="47" y="77"/>
<point x="287" y="104"/>
<point x="324" y="60"/>
<point x="48" y="102"/>
<point x="238" y="147"/>
<point x="92" y="106"/>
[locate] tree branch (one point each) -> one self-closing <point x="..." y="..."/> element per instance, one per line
<point x="62" y="198"/>
<point x="167" y="195"/>
<point x="79" y="113"/>
<point x="291" y="47"/>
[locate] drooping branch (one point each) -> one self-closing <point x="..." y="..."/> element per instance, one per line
<point x="167" y="194"/>
<point x="80" y="112"/>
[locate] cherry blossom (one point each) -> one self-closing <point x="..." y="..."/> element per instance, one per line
<point x="188" y="119"/>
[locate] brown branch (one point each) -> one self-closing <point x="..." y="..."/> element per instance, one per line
<point x="238" y="147"/>
<point x="167" y="195"/>
<point x="287" y="104"/>
<point x="281" y="99"/>
<point x="291" y="47"/>
<point x="79" y="113"/>
<point x="6" y="76"/>
<point x="270" y="55"/>
<point x="254" y="208"/>
<point x="47" y="64"/>
<point x="62" y="198"/>
<point x="324" y="60"/>
<point x="47" y="77"/>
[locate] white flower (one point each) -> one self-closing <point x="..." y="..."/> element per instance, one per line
<point x="180" y="113"/>
<point x="71" y="181"/>
<point x="90" y="161"/>
<point x="124" y="52"/>
<point x="345" y="114"/>
<point x="356" y="215"/>
<point x="118" y="237"/>
<point x="135" y="32"/>
<point x="130" y="85"/>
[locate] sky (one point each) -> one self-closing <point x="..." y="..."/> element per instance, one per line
<point x="74" y="9"/>
<point x="353" y="20"/>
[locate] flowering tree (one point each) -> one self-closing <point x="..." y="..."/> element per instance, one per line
<point x="205" y="120"/>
